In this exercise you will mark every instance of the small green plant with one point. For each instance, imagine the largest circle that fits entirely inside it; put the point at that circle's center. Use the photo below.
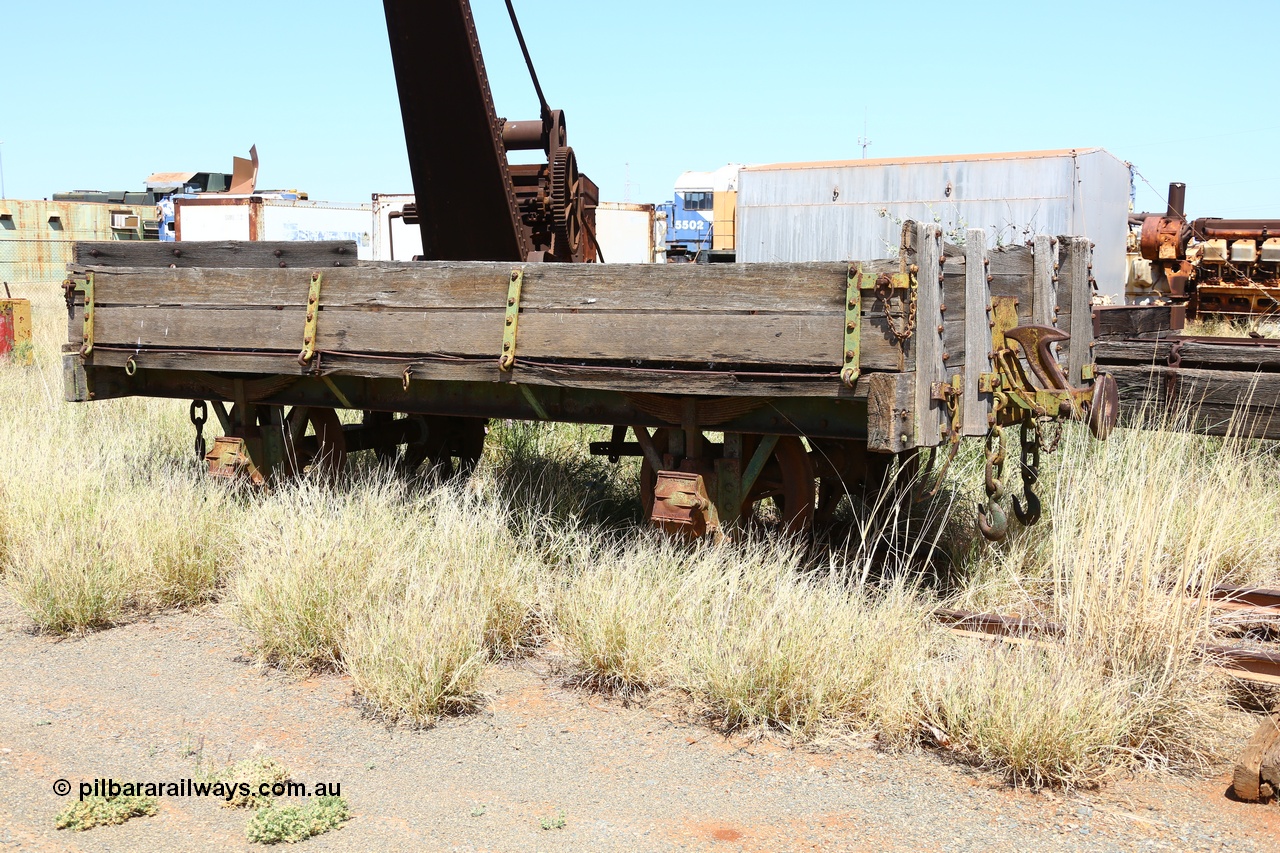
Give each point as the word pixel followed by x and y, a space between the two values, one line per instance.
pixel 191 746
pixel 477 811
pixel 556 822
pixel 251 773
pixel 103 811
pixel 291 824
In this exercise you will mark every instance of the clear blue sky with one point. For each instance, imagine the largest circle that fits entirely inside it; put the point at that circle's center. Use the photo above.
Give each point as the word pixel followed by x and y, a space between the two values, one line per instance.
pixel 98 95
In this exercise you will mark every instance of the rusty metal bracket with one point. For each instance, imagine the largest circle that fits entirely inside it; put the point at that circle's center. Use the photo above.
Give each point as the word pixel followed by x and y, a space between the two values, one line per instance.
pixel 313 311
pixel 229 460
pixel 949 394
pixel 856 282
pixel 681 504
pixel 508 358
pixel 86 287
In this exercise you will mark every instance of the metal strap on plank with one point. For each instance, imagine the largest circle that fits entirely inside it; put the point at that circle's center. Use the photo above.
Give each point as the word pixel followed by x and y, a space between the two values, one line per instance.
pixel 852 326
pixel 313 312
pixel 508 358
pixel 87 287
pixel 855 283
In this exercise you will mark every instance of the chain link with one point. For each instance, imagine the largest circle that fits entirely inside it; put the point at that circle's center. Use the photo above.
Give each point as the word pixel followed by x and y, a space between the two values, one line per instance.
pixel 1031 442
pixel 909 321
pixel 992 522
pixel 1029 465
pixel 199 414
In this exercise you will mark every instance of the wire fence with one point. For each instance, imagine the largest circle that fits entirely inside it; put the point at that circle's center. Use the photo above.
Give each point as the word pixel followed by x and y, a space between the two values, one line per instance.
pixel 35 269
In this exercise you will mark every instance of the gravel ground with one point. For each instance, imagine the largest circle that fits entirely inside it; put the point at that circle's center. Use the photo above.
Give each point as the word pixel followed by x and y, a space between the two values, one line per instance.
pixel 154 700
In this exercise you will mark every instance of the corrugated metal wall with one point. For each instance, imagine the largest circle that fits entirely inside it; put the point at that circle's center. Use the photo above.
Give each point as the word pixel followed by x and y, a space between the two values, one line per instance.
pixel 36 239
pixel 853 210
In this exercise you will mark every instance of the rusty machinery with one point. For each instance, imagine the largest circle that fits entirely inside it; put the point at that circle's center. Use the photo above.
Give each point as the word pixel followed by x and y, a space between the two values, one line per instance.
pixel 1227 267
pixel 471 203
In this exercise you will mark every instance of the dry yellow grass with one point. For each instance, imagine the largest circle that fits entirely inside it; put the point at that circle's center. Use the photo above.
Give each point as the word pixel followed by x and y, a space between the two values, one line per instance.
pixel 416 591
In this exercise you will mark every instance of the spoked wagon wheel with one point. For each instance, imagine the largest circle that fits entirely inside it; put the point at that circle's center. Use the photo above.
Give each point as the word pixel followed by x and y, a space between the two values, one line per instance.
pixel 788 479
pixel 846 467
pixel 449 446
pixel 323 452
pixel 451 449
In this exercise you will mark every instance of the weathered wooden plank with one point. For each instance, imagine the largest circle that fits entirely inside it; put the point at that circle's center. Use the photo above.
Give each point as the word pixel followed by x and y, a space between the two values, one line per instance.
pixel 930 346
pixel 658 288
pixel 1014 287
pixel 1074 285
pixel 1194 354
pixel 718 383
pixel 975 405
pixel 891 411
pixel 800 340
pixel 151 253
pixel 1044 286
pixel 457 333
pixel 1137 321
pixel 1212 402
pixel 1014 261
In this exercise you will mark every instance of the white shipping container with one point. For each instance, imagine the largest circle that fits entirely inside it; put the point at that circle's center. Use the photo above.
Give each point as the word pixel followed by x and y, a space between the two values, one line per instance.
pixel 627 233
pixel 851 210
pixel 223 217
pixel 199 219
pixel 393 240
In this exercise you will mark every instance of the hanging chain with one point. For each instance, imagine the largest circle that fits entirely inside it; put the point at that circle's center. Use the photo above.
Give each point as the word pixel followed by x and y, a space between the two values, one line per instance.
pixel 199 417
pixel 1029 465
pixel 909 319
pixel 951 399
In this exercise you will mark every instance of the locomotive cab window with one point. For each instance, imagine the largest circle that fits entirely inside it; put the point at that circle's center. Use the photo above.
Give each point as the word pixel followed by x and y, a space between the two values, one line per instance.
pixel 697 201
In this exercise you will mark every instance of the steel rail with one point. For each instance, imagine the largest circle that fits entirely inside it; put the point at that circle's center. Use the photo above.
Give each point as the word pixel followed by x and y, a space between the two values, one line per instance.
pixel 1248 663
pixel 1254 600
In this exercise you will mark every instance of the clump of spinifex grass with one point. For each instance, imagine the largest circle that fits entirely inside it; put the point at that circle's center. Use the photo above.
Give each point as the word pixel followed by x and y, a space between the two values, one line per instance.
pixel 105 515
pixel 753 638
pixel 90 555
pixel 1222 327
pixel 1134 528
pixel 619 613
pixel 411 593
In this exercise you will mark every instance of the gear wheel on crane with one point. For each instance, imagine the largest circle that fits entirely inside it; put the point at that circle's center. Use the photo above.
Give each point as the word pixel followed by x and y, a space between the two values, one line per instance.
pixel 564 199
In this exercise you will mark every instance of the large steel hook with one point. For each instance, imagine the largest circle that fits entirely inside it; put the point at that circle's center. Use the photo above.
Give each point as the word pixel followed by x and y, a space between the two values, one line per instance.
pixel 1032 513
pixel 993 524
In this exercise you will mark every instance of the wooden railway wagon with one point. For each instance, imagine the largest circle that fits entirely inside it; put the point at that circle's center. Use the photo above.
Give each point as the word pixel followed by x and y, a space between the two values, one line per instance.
pixel 1210 385
pixel 812 373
